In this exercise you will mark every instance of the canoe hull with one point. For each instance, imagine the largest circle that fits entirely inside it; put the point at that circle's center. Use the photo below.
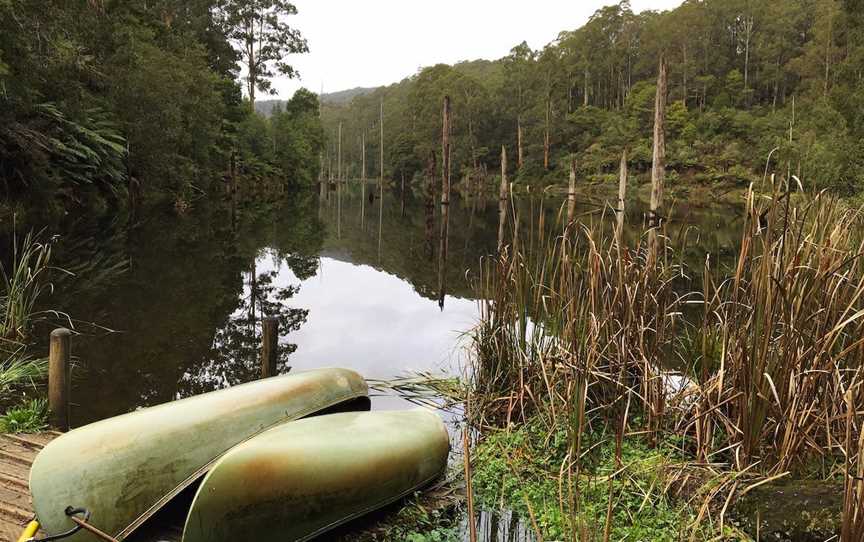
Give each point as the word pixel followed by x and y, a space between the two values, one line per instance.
pixel 124 469
pixel 304 478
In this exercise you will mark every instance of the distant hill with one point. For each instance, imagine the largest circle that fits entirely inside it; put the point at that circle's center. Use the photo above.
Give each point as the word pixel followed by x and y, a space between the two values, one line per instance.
pixel 265 107
pixel 345 96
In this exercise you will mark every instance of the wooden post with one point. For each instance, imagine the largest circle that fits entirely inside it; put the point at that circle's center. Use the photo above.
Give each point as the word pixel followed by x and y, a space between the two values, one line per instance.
pixel 571 193
pixel 269 346
pixel 622 193
pixel 59 356
pixel 658 165
pixel 445 157
pixel 502 199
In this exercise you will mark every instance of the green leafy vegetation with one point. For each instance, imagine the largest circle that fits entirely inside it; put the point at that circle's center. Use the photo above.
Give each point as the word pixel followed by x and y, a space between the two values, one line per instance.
pixel 520 468
pixel 30 417
pixel 746 80
pixel 581 340
pixel 143 98
pixel 23 283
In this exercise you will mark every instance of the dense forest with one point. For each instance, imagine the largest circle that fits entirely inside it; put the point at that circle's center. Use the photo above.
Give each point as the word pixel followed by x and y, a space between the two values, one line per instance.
pixel 106 99
pixel 745 77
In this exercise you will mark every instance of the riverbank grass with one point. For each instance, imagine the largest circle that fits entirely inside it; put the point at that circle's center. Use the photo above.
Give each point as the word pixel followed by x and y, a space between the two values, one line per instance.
pixel 701 383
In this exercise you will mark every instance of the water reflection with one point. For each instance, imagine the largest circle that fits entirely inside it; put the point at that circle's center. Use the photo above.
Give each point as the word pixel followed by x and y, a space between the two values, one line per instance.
pixel 186 293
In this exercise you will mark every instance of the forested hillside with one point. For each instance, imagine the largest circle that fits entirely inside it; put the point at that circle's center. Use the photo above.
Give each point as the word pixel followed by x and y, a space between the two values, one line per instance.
pixel 745 77
pixel 105 97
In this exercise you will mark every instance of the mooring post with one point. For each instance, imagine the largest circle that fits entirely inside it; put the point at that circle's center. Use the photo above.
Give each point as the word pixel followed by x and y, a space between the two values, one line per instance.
pixel 59 354
pixel 269 346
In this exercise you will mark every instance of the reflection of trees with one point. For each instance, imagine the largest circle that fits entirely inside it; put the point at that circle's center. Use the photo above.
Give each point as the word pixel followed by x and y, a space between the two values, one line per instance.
pixel 410 237
pixel 235 349
pixel 178 291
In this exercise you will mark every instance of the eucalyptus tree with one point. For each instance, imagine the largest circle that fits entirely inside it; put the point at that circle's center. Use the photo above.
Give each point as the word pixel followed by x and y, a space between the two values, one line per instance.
pixel 264 40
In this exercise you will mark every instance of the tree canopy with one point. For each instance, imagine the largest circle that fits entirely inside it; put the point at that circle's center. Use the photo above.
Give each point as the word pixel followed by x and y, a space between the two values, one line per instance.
pixel 745 77
pixel 99 96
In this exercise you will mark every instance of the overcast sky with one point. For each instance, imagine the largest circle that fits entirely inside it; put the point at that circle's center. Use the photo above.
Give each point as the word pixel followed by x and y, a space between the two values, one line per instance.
pixel 378 42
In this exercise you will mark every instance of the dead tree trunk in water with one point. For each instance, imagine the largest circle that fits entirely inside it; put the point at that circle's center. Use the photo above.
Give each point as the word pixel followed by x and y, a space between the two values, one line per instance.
pixel 429 204
pixel 339 156
pixel 381 182
pixel 571 194
pixel 519 156
pixel 546 138
pixel 445 154
pixel 653 386
pixel 363 181
pixel 622 193
pixel 658 165
pixel 442 254
pixel 381 167
pixel 443 238
pixel 502 199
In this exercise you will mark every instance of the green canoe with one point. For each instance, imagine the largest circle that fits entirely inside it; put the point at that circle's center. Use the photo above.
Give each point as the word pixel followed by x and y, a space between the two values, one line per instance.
pixel 125 469
pixel 303 478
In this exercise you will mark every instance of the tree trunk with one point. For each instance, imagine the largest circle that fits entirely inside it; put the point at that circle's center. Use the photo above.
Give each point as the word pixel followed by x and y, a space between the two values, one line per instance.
pixel 684 54
pixel 502 199
pixel 828 51
pixel 658 166
pixel 381 168
pixel 585 94
pixel 363 181
pixel 748 30
pixel 519 161
pixel 546 142
pixel 445 153
pixel 622 194
pixel 571 193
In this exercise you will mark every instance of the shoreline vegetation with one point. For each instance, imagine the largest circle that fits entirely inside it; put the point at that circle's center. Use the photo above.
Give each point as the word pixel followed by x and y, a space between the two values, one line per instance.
pixel 746 80
pixel 113 103
pixel 588 432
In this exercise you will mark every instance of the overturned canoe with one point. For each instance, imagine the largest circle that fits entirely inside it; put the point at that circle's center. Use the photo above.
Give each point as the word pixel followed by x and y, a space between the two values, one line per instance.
pixel 124 469
pixel 304 478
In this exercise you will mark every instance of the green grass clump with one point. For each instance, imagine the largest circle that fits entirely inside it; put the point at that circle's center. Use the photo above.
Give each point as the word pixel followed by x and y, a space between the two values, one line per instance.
pixel 528 467
pixel 29 417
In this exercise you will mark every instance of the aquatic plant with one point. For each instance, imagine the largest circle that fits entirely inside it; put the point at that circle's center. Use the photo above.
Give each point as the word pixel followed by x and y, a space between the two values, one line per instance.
pixel 24 281
pixel 19 370
pixel 750 371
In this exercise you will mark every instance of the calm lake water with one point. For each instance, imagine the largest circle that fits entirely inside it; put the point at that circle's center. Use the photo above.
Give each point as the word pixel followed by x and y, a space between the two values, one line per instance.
pixel 168 305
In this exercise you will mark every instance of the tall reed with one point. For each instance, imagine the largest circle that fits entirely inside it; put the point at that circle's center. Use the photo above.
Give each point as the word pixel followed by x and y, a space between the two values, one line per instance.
pixel 24 281
pixel 790 329
pixel 750 368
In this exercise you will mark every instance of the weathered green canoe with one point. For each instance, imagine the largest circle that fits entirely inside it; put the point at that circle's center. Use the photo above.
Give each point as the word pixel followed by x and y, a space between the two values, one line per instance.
pixel 124 469
pixel 303 478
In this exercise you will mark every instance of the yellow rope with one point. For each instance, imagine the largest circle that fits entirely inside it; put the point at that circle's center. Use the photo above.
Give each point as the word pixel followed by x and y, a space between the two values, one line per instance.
pixel 29 532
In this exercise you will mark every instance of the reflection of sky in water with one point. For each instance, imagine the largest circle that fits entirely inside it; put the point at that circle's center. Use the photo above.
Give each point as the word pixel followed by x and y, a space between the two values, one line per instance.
pixel 373 322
